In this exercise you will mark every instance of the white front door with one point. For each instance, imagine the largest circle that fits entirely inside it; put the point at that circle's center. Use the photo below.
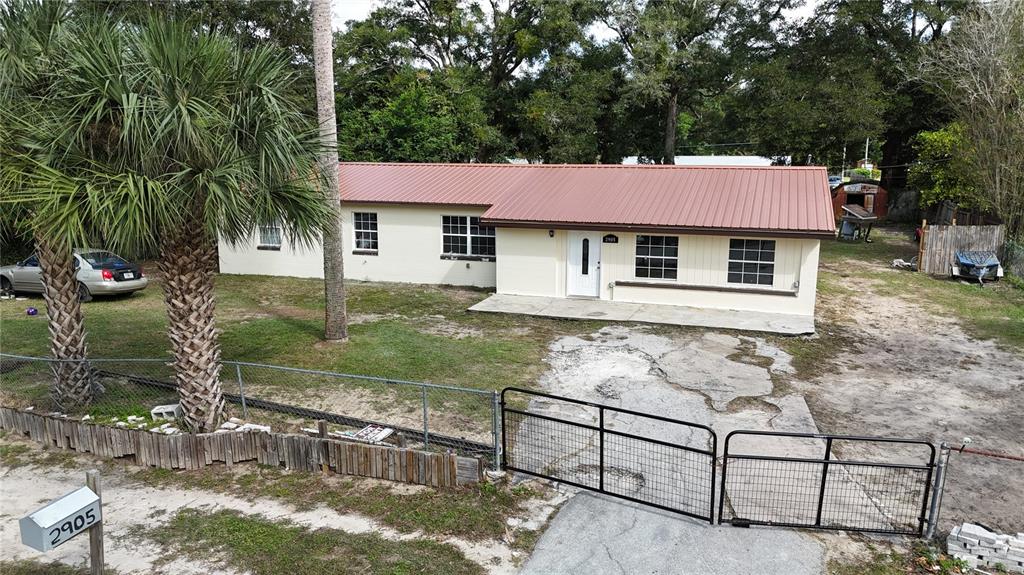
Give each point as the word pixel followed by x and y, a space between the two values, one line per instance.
pixel 584 269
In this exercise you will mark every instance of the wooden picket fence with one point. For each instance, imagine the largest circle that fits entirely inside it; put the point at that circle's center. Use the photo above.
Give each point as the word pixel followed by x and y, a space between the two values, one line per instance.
pixel 939 243
pixel 196 451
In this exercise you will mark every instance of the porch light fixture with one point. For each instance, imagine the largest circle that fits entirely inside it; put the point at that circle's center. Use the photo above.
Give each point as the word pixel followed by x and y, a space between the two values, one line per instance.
pixel 551 233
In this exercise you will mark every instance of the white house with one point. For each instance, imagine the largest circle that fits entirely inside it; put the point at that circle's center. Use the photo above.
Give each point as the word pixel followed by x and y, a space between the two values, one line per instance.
pixel 724 237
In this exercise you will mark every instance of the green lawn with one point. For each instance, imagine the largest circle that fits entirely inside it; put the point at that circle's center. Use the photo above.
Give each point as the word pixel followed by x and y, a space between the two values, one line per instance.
pixel 256 545
pixel 396 333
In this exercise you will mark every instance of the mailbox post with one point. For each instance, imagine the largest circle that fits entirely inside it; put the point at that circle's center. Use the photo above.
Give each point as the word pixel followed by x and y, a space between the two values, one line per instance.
pixel 61 520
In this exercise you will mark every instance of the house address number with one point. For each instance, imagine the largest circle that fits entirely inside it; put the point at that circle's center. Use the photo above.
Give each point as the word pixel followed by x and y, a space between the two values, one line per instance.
pixel 71 527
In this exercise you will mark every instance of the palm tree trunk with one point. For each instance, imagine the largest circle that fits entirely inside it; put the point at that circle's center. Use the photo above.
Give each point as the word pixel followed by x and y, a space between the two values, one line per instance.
pixel 671 125
pixel 187 262
pixel 335 322
pixel 72 379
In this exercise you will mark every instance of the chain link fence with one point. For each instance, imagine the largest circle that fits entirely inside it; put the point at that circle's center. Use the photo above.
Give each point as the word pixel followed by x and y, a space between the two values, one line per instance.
pixel 288 399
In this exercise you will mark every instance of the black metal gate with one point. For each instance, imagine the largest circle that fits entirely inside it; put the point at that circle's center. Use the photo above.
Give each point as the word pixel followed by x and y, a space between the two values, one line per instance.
pixel 649 459
pixel 882 487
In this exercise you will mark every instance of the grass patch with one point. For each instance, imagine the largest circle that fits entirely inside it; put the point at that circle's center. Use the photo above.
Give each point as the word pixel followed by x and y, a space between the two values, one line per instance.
pixel 14 454
pixel 17 453
pixel 473 512
pixel 30 567
pixel 920 560
pixel 256 545
pixel 814 356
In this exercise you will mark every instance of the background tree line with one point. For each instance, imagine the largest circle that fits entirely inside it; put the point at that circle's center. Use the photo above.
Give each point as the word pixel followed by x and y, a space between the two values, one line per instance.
pixel 594 81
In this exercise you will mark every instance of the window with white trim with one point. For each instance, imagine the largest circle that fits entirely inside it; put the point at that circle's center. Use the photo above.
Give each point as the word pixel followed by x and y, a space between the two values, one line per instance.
pixel 364 225
pixel 270 236
pixel 751 262
pixel 464 236
pixel 657 257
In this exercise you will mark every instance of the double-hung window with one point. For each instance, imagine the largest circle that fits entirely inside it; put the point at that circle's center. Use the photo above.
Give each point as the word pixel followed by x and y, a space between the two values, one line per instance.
pixel 464 236
pixel 364 225
pixel 657 257
pixel 270 237
pixel 751 262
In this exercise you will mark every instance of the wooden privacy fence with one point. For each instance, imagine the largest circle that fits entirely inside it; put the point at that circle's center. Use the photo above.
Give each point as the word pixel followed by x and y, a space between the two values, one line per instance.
pixel 939 243
pixel 195 451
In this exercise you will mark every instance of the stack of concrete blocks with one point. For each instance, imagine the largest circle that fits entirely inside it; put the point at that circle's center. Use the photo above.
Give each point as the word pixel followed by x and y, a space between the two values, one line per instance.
pixel 981 548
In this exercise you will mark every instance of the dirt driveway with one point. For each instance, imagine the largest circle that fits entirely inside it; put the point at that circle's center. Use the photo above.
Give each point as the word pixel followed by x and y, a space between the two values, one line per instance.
pixel 913 373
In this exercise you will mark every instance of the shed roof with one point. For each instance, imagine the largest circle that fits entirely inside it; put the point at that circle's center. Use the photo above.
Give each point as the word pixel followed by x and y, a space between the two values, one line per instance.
pixel 768 199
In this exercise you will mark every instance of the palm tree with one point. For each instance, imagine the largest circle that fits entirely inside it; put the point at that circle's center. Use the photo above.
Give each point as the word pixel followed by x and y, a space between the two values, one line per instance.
pixel 30 33
pixel 335 322
pixel 182 136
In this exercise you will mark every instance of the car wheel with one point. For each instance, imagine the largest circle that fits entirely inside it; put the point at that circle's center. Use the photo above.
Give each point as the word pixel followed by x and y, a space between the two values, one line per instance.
pixel 6 289
pixel 84 294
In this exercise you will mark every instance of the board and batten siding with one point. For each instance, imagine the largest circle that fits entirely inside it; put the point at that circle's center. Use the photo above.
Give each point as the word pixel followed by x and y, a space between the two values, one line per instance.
pixel 530 262
pixel 409 251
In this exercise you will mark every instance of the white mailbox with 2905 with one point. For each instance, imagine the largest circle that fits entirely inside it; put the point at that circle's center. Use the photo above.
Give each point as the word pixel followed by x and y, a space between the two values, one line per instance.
pixel 61 520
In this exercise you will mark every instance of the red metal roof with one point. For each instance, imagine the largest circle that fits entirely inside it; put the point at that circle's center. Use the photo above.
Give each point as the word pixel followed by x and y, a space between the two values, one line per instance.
pixel 754 198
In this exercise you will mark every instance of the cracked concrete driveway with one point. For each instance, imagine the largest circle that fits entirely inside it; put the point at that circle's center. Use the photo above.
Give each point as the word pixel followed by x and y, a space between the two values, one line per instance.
pixel 596 534
pixel 721 381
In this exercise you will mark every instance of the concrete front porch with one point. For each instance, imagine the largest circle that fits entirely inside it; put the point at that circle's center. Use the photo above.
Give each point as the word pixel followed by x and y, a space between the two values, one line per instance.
pixel 780 323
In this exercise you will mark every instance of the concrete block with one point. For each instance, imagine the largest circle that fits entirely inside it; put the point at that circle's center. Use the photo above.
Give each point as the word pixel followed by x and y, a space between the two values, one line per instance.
pixel 171 411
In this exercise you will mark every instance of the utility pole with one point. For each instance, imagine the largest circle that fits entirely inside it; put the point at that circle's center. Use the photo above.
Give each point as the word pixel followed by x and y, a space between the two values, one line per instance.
pixel 867 142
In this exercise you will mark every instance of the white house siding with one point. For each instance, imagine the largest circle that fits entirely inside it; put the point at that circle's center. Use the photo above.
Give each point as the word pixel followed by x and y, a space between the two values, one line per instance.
pixel 532 263
pixel 409 250
pixel 290 260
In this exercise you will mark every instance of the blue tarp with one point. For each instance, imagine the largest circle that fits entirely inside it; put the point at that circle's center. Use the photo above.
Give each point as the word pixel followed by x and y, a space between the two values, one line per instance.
pixel 977 259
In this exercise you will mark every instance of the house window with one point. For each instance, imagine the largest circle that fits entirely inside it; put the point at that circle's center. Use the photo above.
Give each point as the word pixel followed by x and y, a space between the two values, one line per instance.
pixel 270 236
pixel 464 236
pixel 365 226
pixel 657 257
pixel 752 262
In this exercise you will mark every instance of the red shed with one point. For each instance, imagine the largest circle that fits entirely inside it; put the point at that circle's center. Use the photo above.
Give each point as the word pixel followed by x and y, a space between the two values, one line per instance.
pixel 868 194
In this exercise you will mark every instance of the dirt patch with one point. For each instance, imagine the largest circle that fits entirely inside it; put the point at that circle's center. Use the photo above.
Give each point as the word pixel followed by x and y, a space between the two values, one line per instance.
pixel 468 417
pixel 128 504
pixel 360 318
pixel 441 326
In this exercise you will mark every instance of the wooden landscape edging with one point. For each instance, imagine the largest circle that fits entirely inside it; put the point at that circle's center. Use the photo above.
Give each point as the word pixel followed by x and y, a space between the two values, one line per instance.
pixel 195 451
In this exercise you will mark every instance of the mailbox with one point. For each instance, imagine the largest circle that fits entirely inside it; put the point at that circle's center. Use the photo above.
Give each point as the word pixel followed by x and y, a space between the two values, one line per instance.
pixel 59 521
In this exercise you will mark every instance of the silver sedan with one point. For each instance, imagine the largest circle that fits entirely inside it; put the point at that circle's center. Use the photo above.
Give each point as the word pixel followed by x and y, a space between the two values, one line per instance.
pixel 99 273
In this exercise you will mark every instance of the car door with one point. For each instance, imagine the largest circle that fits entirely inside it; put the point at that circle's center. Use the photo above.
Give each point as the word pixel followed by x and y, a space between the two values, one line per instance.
pixel 28 277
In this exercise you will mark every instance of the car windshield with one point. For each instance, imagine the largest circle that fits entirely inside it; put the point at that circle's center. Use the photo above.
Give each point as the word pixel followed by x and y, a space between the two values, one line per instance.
pixel 100 259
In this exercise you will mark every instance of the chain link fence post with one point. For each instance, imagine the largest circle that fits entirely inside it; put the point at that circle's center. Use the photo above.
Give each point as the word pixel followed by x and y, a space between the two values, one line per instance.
pixel 426 418
pixel 241 390
pixel 496 428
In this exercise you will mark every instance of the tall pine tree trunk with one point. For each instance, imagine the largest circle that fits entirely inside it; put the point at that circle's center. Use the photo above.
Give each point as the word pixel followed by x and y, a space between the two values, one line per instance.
pixel 335 322
pixel 671 125
pixel 187 262
pixel 72 378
